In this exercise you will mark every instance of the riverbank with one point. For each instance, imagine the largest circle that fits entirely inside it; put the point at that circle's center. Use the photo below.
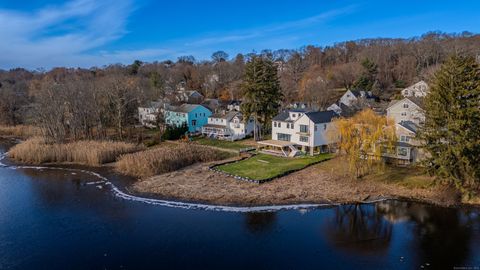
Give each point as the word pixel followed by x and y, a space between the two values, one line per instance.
pixel 321 183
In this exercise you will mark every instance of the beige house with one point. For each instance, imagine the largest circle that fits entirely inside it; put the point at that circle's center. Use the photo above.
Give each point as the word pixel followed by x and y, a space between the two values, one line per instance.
pixel 407 109
pixel 409 116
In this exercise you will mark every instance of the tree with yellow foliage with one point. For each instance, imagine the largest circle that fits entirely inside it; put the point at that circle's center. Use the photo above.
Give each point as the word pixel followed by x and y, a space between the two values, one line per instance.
pixel 364 138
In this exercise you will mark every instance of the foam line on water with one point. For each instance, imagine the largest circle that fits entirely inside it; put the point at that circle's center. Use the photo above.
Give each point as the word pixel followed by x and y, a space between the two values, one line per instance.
pixel 176 204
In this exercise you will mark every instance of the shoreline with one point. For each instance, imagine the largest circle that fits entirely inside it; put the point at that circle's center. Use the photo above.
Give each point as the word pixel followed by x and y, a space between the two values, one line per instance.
pixel 196 184
pixel 309 186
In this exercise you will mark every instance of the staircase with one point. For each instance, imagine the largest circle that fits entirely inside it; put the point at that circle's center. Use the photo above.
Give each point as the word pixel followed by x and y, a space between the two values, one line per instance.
pixel 293 150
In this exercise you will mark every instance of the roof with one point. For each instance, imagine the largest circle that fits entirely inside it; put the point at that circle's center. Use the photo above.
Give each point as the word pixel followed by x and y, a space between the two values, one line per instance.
pixel 235 102
pixel 409 125
pixel 362 93
pixel 184 108
pixel 322 116
pixel 228 116
pixel 283 116
pixel 416 100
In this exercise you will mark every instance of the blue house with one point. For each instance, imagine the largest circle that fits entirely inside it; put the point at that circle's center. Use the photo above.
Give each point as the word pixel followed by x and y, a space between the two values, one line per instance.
pixel 194 115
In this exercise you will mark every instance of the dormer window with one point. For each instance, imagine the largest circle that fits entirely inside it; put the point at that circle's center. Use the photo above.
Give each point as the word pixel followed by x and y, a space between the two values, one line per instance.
pixel 294 115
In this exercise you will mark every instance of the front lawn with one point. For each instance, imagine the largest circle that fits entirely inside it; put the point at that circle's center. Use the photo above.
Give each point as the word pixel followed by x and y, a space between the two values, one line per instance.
pixel 264 166
pixel 235 145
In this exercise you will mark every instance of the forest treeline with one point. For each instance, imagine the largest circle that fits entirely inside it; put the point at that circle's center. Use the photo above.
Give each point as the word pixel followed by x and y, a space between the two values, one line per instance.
pixel 85 103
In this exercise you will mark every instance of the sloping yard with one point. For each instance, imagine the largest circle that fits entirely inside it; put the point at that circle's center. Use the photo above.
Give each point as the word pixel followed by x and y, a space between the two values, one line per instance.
pixel 261 166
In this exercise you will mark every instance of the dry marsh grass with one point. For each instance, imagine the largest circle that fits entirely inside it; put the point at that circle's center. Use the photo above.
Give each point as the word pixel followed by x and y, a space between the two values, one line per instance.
pixel 167 158
pixel 94 153
pixel 19 131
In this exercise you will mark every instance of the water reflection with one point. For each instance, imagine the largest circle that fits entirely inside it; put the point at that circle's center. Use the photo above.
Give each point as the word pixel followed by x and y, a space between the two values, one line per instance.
pixel 359 228
pixel 260 222
pixel 441 237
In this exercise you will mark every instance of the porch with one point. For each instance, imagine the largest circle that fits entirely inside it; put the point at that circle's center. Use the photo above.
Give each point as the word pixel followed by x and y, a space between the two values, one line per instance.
pixel 278 148
pixel 217 132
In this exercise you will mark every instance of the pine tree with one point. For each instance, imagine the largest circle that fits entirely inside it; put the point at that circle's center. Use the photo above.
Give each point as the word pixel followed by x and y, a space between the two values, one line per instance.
pixel 261 91
pixel 369 76
pixel 452 129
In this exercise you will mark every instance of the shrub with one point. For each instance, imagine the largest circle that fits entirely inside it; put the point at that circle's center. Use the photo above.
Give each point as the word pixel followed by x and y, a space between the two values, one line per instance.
pixel 174 132
pixel 94 153
pixel 166 158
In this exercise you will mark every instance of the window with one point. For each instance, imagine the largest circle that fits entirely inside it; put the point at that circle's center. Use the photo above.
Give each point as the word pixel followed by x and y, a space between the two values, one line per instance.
pixel 404 114
pixel 194 122
pixel 274 124
pixel 196 115
pixel 288 125
pixel 304 128
pixel 304 139
pixel 294 115
pixel 324 126
pixel 315 127
pixel 283 137
pixel 404 138
pixel 405 105
pixel 402 151
pixel 279 124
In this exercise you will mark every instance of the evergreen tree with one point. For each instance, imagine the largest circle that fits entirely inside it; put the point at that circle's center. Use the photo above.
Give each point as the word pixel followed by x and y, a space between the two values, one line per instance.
pixel 261 91
pixel 452 129
pixel 369 76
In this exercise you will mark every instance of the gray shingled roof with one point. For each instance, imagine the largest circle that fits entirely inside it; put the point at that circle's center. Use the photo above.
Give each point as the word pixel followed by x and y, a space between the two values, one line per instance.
pixel 321 117
pixel 228 116
pixel 184 108
pixel 417 100
pixel 283 116
pixel 409 125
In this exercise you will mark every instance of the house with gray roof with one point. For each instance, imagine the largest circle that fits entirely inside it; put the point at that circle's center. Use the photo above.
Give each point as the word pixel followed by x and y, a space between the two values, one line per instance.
pixel 147 115
pixel 408 115
pixel 193 115
pixel 228 126
pixel 296 131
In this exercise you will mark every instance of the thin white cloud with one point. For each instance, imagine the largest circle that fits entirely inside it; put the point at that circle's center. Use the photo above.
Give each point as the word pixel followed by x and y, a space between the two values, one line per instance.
pixel 76 33
pixel 63 35
pixel 265 31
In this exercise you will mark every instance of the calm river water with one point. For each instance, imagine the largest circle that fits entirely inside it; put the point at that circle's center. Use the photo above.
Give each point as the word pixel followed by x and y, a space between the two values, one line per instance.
pixel 67 219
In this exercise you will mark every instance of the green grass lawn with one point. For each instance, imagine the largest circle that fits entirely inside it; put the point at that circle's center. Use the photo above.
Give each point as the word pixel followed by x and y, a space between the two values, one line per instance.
pixel 264 166
pixel 236 145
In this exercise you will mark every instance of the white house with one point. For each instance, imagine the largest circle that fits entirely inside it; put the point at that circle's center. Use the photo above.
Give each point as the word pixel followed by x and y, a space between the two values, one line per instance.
pixel 407 109
pixel 420 89
pixel 228 126
pixel 147 116
pixel 298 130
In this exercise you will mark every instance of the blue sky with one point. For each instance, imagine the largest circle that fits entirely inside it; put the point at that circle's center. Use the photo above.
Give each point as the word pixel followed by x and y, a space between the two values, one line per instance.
pixel 84 33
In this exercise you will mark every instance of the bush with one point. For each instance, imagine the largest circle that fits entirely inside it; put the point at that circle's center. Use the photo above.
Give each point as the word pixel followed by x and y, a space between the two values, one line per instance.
pixel 166 158
pixel 94 153
pixel 174 132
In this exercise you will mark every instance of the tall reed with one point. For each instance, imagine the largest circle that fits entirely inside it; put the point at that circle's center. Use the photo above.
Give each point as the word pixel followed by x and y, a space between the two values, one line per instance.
pixel 94 153
pixel 166 158
pixel 19 131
